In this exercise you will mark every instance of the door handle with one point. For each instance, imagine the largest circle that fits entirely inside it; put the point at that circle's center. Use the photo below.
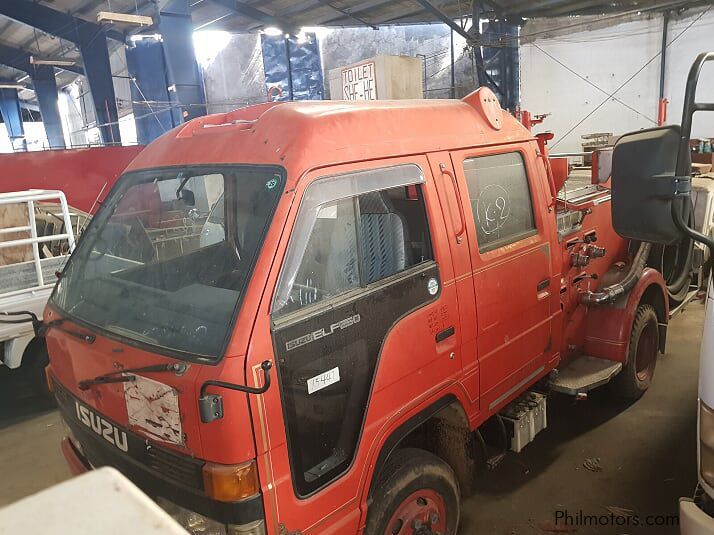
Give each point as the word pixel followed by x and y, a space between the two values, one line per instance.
pixel 446 333
pixel 542 292
pixel 457 193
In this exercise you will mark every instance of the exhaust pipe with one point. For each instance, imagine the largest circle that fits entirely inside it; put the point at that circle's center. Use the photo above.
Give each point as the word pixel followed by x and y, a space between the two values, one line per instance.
pixel 612 292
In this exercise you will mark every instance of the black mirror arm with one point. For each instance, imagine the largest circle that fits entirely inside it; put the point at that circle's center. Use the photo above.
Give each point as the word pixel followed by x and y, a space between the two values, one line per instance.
pixel 695 235
pixel 266 365
pixel 690 107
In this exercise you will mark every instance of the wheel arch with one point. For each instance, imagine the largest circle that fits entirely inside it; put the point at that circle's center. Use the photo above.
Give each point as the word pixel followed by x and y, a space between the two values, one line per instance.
pixel 19 348
pixel 608 327
pixel 431 429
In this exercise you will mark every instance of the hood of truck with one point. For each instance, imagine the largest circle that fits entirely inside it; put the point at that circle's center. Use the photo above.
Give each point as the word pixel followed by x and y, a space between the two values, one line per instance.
pixel 159 407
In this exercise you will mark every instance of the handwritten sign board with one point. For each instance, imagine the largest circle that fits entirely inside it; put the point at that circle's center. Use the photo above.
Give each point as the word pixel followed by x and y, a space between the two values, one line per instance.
pixel 359 82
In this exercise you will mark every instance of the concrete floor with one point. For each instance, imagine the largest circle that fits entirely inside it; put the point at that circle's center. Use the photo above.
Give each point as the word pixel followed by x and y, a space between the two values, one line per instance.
pixel 646 451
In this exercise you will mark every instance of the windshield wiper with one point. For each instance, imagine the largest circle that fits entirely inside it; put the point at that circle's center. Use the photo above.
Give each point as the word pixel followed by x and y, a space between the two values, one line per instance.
pixel 41 328
pixel 178 368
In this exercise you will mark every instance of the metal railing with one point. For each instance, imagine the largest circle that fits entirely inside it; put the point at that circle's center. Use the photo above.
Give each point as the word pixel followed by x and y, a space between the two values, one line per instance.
pixel 29 198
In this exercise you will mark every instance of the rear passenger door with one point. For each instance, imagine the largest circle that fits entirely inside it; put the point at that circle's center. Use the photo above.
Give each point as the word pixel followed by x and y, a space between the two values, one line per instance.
pixel 516 287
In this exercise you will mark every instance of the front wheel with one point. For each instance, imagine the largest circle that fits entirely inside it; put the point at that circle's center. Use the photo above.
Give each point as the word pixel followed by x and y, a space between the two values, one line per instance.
pixel 415 494
pixel 636 377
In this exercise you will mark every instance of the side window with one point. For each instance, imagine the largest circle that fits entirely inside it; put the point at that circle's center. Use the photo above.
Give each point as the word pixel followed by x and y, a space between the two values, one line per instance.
pixel 394 231
pixel 330 265
pixel 500 199
pixel 353 242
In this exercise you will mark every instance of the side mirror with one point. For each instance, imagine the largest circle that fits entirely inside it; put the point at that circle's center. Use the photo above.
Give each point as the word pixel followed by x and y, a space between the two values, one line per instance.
pixel 645 185
pixel 188 197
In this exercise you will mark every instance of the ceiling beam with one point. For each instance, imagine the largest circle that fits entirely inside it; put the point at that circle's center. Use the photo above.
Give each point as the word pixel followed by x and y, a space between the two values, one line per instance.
pixel 349 14
pixel 354 10
pixel 54 22
pixel 20 60
pixel 256 14
pixel 443 17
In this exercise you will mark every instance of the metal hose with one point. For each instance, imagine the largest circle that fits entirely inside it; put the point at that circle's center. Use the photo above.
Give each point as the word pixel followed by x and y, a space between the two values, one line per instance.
pixel 612 292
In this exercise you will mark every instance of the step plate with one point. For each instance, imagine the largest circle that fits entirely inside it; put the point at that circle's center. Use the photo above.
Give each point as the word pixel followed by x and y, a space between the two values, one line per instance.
pixel 583 374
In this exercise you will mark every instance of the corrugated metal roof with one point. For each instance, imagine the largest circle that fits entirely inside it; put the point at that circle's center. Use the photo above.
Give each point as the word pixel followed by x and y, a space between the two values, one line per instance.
pixel 254 15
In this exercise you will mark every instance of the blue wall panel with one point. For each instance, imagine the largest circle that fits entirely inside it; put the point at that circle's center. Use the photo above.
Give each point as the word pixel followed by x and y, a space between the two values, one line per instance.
pixel 301 77
pixel 12 116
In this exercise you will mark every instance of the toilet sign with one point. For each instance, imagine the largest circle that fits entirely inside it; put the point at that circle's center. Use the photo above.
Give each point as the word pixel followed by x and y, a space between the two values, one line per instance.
pixel 358 83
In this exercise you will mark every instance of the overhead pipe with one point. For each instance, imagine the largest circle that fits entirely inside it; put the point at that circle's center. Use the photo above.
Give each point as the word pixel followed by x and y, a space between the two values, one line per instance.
pixel 609 293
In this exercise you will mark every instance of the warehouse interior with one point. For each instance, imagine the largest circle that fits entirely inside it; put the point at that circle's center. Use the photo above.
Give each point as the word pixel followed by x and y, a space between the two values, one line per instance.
pixel 356 266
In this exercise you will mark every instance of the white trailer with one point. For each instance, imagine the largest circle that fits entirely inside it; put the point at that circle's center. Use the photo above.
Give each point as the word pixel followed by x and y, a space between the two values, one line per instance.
pixel 37 234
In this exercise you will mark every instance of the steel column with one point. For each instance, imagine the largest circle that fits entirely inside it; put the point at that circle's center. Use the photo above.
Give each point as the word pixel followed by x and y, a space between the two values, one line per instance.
pixel 184 77
pixel 12 116
pixel 663 102
pixel 500 57
pixel 91 39
pixel 476 31
pixel 95 57
pixel 149 93
pixel 43 78
pixel 663 59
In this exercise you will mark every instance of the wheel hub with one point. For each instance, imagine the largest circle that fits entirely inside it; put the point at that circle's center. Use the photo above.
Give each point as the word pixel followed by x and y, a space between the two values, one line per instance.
pixel 646 351
pixel 421 513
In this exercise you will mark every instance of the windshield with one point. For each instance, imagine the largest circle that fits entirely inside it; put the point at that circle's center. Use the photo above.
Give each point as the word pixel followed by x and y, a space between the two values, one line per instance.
pixel 167 259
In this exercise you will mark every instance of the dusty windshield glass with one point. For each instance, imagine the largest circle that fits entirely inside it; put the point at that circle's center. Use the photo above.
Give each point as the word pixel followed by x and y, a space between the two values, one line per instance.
pixel 167 259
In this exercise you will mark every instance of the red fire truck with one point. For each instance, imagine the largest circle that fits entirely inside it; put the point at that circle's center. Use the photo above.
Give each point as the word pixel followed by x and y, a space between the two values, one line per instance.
pixel 311 317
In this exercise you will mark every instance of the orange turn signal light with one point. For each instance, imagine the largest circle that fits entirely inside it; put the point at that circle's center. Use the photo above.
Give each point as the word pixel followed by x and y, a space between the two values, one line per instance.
pixel 231 483
pixel 48 378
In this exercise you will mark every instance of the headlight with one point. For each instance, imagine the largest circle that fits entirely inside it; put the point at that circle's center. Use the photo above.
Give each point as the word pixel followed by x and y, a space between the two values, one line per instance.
pixel 706 443
pixel 197 524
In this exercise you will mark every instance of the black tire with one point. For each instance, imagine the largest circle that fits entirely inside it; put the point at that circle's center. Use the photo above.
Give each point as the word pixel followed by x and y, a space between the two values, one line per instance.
pixel 635 378
pixel 407 473
pixel 34 361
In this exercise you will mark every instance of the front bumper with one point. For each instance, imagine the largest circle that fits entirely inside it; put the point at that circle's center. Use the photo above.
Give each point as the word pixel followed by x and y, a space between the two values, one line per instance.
pixel 152 468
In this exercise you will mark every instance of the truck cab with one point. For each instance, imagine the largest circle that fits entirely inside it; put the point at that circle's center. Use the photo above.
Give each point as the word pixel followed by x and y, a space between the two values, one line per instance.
pixel 284 317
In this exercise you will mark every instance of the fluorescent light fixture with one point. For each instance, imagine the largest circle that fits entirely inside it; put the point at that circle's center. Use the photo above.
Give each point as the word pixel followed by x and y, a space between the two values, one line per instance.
pixel 142 36
pixel 11 86
pixel 124 18
pixel 57 62
pixel 272 30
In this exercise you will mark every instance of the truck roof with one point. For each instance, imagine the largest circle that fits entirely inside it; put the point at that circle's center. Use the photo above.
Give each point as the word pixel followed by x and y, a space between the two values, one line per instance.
pixel 310 134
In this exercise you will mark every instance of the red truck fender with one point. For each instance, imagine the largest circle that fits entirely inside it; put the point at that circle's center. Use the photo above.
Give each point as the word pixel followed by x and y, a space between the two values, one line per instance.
pixel 399 427
pixel 608 328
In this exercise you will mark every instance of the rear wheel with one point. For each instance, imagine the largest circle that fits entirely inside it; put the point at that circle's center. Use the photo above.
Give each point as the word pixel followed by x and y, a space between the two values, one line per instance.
pixel 636 377
pixel 416 494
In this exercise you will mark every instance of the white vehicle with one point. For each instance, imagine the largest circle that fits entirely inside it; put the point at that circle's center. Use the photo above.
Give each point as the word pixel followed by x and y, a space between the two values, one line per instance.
pixel 36 237
pixel 697 515
pixel 661 189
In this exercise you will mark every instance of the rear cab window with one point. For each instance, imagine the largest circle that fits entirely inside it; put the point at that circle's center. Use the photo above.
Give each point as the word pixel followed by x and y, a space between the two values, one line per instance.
pixel 500 198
